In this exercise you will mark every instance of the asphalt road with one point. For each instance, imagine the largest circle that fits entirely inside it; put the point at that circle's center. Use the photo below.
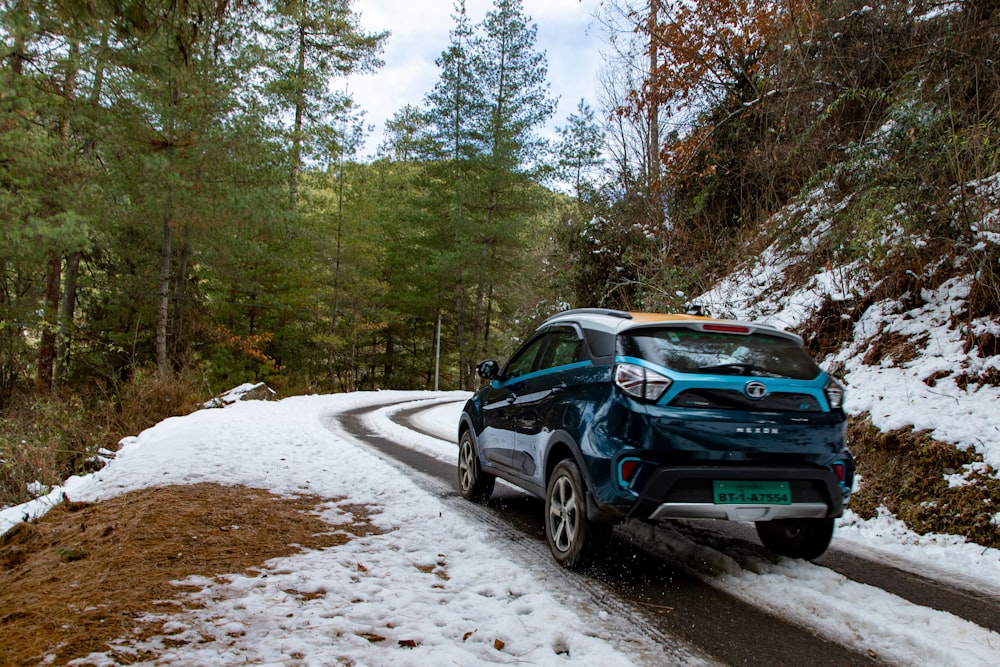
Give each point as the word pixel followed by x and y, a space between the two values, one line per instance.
pixel 671 602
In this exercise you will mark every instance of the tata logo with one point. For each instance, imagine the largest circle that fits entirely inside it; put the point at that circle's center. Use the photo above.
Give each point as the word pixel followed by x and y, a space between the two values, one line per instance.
pixel 755 390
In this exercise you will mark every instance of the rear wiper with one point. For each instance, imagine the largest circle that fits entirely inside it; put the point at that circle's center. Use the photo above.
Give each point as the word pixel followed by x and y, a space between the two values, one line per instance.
pixel 739 369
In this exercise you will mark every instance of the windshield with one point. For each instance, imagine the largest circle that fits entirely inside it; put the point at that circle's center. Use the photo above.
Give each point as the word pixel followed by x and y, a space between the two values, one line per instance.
pixel 691 351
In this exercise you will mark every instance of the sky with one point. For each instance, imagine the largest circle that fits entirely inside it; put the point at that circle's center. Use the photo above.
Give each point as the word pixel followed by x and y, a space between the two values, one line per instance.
pixel 567 34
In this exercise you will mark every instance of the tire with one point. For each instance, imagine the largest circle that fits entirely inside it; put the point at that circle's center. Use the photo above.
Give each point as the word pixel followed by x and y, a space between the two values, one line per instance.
pixel 796 538
pixel 473 483
pixel 573 539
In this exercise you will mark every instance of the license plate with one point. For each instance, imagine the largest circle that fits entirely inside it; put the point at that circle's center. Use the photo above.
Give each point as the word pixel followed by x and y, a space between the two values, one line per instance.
pixel 751 493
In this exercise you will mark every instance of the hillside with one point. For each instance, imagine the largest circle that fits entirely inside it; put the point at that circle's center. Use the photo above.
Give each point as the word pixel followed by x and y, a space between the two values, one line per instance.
pixel 920 360
pixel 842 181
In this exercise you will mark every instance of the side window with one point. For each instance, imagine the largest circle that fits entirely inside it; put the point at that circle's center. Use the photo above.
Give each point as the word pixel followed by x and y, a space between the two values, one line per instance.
pixel 523 361
pixel 601 344
pixel 564 348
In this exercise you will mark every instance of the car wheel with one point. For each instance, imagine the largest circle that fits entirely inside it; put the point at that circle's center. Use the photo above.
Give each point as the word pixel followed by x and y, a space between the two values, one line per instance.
pixel 473 483
pixel 573 538
pixel 796 538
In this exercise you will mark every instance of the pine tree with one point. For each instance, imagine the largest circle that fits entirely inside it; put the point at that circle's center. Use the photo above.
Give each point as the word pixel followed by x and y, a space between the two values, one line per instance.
pixel 452 105
pixel 511 76
pixel 307 43
pixel 581 142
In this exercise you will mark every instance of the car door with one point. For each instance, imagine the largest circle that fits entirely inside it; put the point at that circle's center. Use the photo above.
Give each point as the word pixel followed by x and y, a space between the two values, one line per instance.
pixel 536 407
pixel 499 434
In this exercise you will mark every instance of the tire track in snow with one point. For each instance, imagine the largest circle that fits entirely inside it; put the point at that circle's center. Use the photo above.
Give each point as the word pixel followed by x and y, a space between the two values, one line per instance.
pixel 936 621
pixel 649 595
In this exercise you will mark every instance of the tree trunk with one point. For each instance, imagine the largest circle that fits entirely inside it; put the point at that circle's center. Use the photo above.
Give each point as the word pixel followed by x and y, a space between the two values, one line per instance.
pixel 655 172
pixel 463 353
pixel 162 312
pixel 390 351
pixel 18 55
pixel 47 344
pixel 489 319
pixel 335 320
pixel 485 284
pixel 67 313
pixel 653 157
pixel 293 184
pixel 163 306
pixel 178 342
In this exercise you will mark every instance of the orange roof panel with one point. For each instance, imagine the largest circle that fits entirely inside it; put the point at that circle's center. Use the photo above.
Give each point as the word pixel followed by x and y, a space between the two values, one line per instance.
pixel 648 318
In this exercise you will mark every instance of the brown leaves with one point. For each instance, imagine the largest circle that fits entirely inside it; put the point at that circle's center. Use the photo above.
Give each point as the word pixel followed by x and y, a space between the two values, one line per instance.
pixel 711 49
pixel 498 644
pixel 81 576
pixel 252 346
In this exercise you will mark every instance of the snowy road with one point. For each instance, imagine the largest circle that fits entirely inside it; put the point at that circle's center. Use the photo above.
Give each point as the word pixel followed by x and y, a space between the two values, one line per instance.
pixel 711 586
pixel 444 581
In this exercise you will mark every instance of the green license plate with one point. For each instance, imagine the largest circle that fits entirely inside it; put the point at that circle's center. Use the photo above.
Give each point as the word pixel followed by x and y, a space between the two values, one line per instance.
pixel 751 493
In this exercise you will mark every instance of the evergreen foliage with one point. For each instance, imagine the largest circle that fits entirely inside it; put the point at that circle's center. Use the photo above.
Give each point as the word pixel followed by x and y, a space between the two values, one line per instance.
pixel 179 189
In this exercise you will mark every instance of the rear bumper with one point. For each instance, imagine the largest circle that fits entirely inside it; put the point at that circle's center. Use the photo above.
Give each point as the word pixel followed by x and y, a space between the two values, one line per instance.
pixel 739 512
pixel 686 493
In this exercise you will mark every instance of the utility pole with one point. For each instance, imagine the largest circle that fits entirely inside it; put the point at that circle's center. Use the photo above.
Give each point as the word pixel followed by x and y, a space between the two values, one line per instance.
pixel 437 354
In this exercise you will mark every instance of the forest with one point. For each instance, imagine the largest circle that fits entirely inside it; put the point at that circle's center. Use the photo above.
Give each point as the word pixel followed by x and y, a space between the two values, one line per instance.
pixel 183 209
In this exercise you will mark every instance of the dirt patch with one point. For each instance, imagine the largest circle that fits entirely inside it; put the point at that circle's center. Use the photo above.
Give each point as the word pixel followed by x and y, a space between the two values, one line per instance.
pixel 895 346
pixel 967 381
pixel 932 379
pixel 987 344
pixel 905 471
pixel 84 574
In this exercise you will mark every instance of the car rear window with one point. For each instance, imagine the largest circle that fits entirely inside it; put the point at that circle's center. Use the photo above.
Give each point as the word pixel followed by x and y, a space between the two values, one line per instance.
pixel 691 351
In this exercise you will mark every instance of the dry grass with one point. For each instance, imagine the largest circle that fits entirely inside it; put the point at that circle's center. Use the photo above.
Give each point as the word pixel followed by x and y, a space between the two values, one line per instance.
pixel 904 470
pixel 47 440
pixel 82 576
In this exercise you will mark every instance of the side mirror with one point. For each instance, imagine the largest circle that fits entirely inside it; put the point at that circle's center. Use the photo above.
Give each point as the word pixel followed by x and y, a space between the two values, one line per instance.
pixel 488 370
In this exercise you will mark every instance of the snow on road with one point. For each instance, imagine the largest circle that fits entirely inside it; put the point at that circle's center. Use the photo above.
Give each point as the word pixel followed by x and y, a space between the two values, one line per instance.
pixel 844 611
pixel 434 586
pixel 440 588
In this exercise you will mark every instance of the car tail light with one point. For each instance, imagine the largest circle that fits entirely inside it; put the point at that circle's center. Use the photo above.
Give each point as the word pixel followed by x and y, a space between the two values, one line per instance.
pixel 626 469
pixel 834 394
pixel 726 328
pixel 840 470
pixel 641 383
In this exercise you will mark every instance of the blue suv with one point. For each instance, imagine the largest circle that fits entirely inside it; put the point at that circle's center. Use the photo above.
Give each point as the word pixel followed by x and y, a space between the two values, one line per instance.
pixel 609 415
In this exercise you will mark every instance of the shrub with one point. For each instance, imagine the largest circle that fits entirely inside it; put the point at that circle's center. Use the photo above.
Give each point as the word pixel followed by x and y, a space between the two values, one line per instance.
pixel 46 441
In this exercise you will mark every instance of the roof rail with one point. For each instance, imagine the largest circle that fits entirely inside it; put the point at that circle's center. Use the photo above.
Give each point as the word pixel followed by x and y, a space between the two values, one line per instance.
pixel 610 312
